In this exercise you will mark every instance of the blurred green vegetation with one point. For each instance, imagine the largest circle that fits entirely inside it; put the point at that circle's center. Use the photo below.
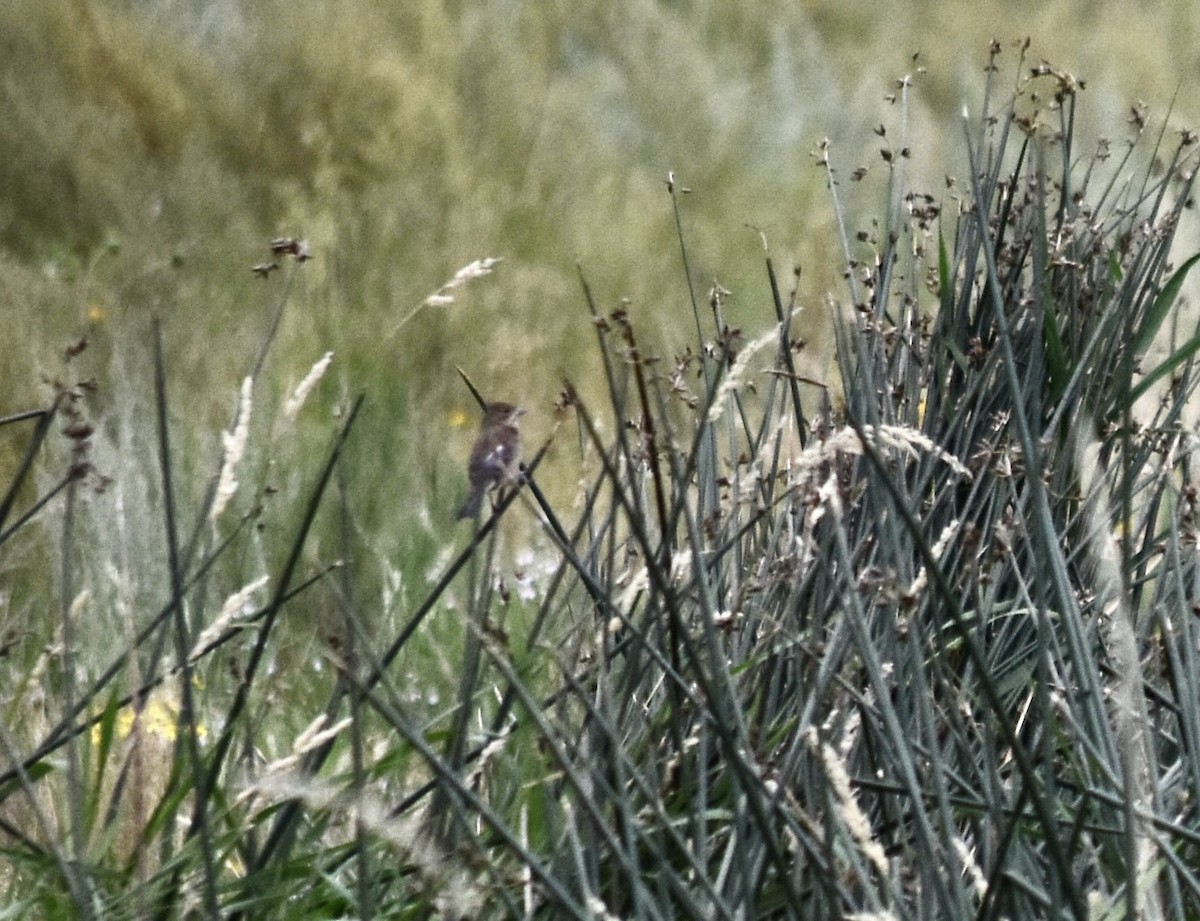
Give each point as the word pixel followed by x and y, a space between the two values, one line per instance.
pixel 150 149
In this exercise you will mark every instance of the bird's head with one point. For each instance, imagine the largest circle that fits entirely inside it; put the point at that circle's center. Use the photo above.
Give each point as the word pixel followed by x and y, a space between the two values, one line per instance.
pixel 502 414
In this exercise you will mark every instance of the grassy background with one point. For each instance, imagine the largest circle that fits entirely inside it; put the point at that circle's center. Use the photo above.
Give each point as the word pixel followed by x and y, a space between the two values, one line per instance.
pixel 150 149
pixel 150 152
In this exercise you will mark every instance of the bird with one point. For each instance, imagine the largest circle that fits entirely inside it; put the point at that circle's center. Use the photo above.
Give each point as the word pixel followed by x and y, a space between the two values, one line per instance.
pixel 495 455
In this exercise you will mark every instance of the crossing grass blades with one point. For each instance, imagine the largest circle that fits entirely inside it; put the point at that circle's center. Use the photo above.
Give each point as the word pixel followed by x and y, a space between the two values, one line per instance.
pixel 919 641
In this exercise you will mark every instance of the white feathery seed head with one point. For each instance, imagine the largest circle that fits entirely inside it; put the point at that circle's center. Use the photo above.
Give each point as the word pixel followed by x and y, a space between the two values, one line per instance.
pixel 305 387
pixel 234 443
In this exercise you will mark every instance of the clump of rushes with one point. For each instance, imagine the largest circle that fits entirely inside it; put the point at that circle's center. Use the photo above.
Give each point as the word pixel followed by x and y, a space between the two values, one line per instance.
pixel 916 642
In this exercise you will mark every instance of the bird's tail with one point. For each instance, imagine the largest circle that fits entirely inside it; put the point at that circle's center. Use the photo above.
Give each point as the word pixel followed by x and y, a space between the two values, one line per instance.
pixel 470 508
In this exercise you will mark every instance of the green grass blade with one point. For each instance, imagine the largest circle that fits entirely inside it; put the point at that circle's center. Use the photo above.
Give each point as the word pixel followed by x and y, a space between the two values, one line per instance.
pixel 1160 309
pixel 1179 357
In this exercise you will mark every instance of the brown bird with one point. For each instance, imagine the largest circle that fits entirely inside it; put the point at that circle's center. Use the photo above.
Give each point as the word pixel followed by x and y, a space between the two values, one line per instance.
pixel 495 455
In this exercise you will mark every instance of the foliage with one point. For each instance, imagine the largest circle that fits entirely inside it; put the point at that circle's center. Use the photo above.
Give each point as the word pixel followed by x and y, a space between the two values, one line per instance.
pixel 917 643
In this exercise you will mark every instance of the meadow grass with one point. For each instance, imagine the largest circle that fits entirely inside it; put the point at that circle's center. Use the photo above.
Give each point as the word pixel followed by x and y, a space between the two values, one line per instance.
pixel 917 641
